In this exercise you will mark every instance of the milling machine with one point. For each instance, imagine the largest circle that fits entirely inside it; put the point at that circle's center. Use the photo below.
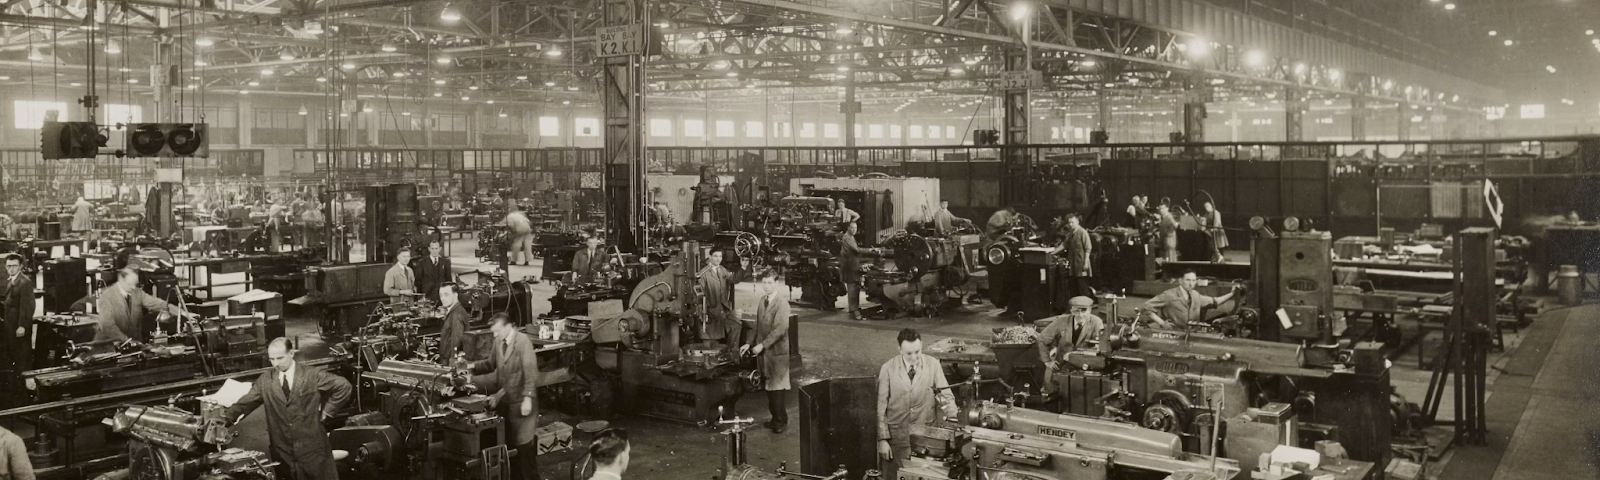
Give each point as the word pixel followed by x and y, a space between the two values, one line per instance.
pixel 663 373
pixel 169 443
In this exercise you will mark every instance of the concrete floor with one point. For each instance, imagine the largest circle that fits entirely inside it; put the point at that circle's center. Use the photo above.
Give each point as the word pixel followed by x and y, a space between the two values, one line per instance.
pixel 1533 404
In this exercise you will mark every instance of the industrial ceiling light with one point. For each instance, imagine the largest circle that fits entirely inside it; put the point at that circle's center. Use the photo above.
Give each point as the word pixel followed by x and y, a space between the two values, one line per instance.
pixel 388 47
pixel 1254 58
pixel 286 56
pixel 844 30
pixel 733 74
pixel 313 28
pixel 958 70
pixel 5 77
pixel 244 92
pixel 1388 84
pixel 204 42
pixel 76 84
pixel 502 114
pixel 133 80
pixel 1199 47
pixel 1493 33
pixel 439 81
pixel 553 52
pixel 112 47
pixel 1299 68
pixel 572 87
pixel 971 61
pixel 1455 98
pixel 522 77
pixel 35 55
pixel 473 87
pixel 437 94
pixel 1510 43
pixel 443 60
pixel 566 102
pixel 549 83
pixel 491 102
pixel 465 98
pixel 1550 68
pixel 844 68
pixel 303 111
pixel 1449 6
pixel 1020 11
pixel 322 79
pixel 266 72
pixel 399 74
pixel 193 86
pixel 405 114
pixel 1087 63
pixel 450 14
pixel 1334 74
pixel 366 109
pixel 719 64
pixel 254 83
pixel 348 66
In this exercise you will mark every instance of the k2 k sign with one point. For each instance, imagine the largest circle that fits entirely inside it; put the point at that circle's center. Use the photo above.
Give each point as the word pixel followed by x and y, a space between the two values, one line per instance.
pixel 619 41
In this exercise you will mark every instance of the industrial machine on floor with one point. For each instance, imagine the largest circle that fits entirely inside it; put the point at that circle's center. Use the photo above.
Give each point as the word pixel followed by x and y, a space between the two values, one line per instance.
pixel 992 439
pixel 168 443
pixel 736 465
pixel 410 405
pixel 919 273
pixel 663 373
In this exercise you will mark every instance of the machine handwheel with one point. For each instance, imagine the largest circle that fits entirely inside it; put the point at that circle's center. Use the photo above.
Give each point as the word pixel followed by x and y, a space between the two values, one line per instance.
pixel 149 462
pixel 1162 417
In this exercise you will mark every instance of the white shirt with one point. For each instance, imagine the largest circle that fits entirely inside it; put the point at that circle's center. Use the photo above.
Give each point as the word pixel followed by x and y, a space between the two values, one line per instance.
pixel 608 474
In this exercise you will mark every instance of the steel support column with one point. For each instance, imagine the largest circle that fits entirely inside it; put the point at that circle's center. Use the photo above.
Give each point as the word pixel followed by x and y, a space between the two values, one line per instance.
pixel 623 85
pixel 850 107
pixel 1195 96
pixel 1102 120
pixel 1358 117
pixel 1294 113
pixel 1402 117
pixel 1014 155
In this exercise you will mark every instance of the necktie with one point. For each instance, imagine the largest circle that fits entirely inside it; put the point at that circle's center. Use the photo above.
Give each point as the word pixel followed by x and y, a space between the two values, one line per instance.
pixel 912 375
pixel 284 382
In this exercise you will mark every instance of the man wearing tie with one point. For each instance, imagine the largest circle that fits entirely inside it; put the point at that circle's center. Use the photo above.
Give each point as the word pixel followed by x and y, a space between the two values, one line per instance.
pixel 515 391
pixel 1181 306
pixel 911 389
pixel 452 336
pixel 770 343
pixel 718 284
pixel 16 309
pixel 299 398
pixel 122 308
pixel 400 283
pixel 587 263
pixel 433 271
pixel 850 254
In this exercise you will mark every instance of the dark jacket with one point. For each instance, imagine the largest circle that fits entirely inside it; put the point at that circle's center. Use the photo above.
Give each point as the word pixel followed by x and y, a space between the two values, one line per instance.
pixel 430 275
pixel 454 333
pixel 1078 249
pixel 294 423
pixel 514 379
pixel 587 267
pixel 18 305
pixel 772 332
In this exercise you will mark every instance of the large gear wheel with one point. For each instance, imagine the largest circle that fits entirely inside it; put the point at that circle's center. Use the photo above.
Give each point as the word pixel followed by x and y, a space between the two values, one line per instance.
pixel 1164 416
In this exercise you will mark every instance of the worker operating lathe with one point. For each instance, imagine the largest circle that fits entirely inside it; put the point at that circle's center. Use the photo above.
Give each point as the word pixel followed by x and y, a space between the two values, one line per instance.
pixel 911 388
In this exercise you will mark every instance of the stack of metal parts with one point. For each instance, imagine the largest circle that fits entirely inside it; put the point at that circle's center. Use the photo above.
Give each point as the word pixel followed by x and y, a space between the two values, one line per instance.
pixel 997 439
pixel 168 440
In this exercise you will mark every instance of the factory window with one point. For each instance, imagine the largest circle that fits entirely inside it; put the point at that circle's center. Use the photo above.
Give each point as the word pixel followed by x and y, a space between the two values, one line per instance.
pixel 276 118
pixel 894 131
pixel 1533 111
pixel 724 128
pixel 950 132
pixel 830 130
pixel 933 132
pixel 1078 133
pixel 875 131
pixel 753 129
pixel 660 127
pixel 549 126
pixel 808 130
pixel 694 128
pixel 587 127
pixel 1055 133
pixel 916 131
pixel 122 114
pixel 30 115
pixel 1494 113
pixel 858 130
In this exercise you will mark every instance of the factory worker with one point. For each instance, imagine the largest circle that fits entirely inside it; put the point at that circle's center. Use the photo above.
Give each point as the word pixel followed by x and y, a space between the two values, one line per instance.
pixel 1001 221
pixel 911 389
pixel 14 461
pixel 299 399
pixel 589 263
pixel 520 251
pixel 1067 333
pixel 944 221
pixel 770 343
pixel 718 284
pixel 122 308
pixel 515 392
pixel 1183 305
pixel 452 336
pixel 82 215
pixel 610 451
pixel 400 282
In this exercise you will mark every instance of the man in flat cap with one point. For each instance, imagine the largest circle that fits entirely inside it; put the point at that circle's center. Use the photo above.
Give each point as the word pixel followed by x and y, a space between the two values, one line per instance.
pixel 1066 333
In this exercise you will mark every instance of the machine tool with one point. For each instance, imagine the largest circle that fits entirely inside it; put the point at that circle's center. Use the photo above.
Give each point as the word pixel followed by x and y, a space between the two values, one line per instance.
pixel 423 417
pixel 662 374
pixel 736 466
pixel 169 443
pixel 992 439
pixel 920 271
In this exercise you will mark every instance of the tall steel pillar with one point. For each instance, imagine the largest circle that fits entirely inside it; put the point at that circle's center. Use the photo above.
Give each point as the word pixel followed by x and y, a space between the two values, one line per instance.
pixel 1294 114
pixel 850 108
pixel 1358 117
pixel 1102 124
pixel 1195 96
pixel 1402 116
pixel 623 98
pixel 1013 153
